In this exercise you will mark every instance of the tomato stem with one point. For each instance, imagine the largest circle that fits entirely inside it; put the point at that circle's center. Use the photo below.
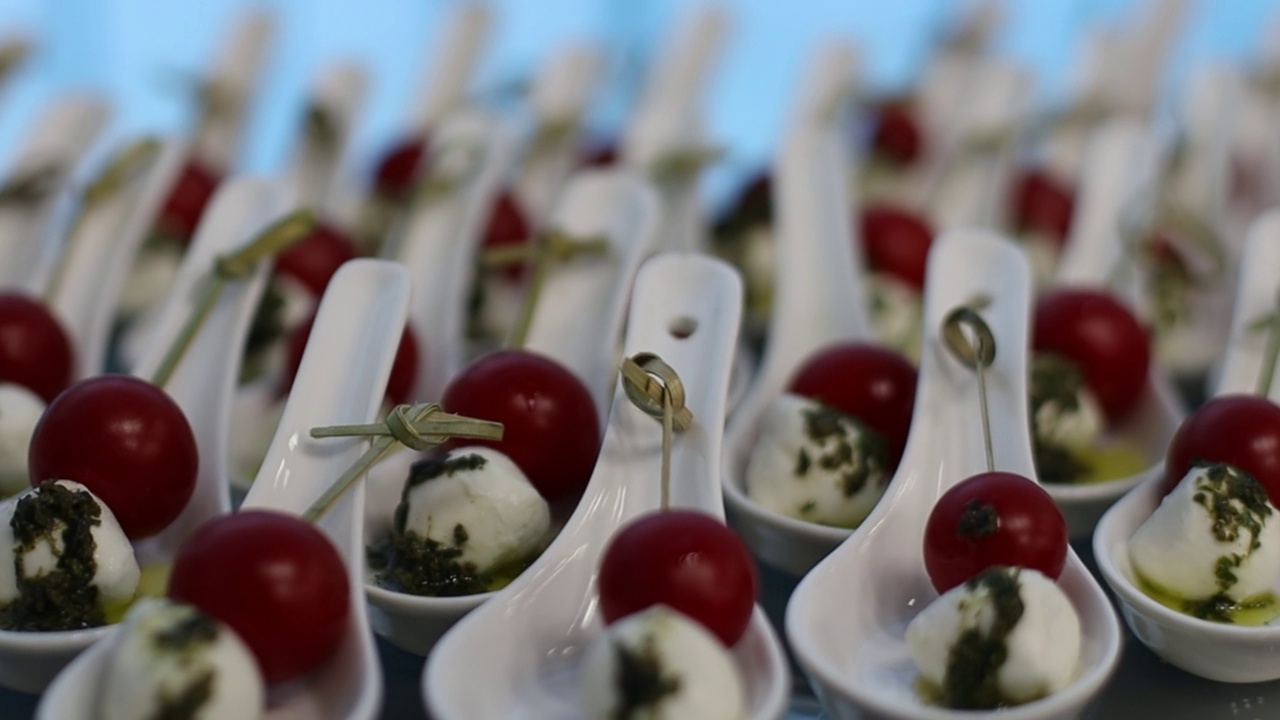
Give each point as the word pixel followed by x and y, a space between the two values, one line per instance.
pixel 656 389
pixel 419 427
pixel 1272 352
pixel 235 266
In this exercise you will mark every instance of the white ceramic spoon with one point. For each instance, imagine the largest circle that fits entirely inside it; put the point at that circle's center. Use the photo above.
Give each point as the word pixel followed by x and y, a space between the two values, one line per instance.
pixel 1097 88
pixel 560 95
pixel 1117 181
pixel 1209 110
pixel 58 142
pixel 819 300
pixel 669 120
pixel 339 94
pixel 847 620
pixel 619 206
pixel 520 655
pixel 85 289
pixel 340 381
pixel 1226 653
pixel 201 385
pixel 948 71
pixel 447 81
pixel 1152 37
pixel 237 72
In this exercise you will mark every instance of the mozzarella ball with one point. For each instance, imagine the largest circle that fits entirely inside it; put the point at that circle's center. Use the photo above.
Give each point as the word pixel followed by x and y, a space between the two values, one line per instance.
pixel 20 410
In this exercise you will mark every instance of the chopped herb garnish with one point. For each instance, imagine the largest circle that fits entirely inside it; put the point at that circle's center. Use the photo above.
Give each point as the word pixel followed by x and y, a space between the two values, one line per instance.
pixel 186 704
pixel 1056 381
pixel 641 682
pixel 974 661
pixel 858 453
pixel 412 564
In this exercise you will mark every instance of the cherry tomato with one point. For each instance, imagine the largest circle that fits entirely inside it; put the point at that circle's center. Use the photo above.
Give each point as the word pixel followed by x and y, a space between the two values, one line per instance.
pixel 399 168
pixel 1043 204
pixel 552 429
pixel 685 559
pixel 274 579
pixel 313 260
pixel 896 242
pixel 990 519
pixel 185 203
pixel 874 385
pixel 404 369
pixel 35 351
pixel 1167 256
pixel 508 226
pixel 1104 340
pixel 1240 430
pixel 125 440
pixel 896 136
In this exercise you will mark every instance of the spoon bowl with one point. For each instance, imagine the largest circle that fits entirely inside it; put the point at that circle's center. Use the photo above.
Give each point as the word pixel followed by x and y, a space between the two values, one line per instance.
pixel 847 620
pixel 201 386
pixel 1217 651
pixel 528 642
pixel 616 205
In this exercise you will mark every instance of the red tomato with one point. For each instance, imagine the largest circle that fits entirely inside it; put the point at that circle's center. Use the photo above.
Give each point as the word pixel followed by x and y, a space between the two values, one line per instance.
pixel 35 351
pixel 182 209
pixel 274 579
pixel 313 260
pixel 1043 204
pixel 399 168
pixel 551 427
pixel 686 560
pixel 1240 430
pixel 508 226
pixel 896 242
pixel 896 136
pixel 125 440
pixel 872 384
pixel 404 369
pixel 1104 340
pixel 991 519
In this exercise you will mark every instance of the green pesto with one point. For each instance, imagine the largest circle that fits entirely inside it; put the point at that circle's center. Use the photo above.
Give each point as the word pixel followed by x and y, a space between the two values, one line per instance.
pixel 65 599
pixel 186 704
pixel 641 681
pixel 803 462
pixel 857 452
pixel 974 661
pixel 409 563
pixel 1054 379
pixel 195 630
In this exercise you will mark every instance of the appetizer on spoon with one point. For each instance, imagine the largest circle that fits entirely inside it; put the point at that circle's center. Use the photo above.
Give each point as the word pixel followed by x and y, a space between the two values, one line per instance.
pixel 686 310
pixel 962 519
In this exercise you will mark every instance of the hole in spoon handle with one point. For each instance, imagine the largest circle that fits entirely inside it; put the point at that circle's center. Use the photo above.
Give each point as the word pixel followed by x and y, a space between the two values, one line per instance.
pixel 977 353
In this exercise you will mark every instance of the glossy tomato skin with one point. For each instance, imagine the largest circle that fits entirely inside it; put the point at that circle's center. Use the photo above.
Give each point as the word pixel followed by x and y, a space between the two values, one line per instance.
pixel 1103 339
pixel 127 441
pixel 404 369
pixel 35 351
pixel 896 242
pixel 183 207
pixel 551 427
pixel 1240 430
pixel 990 519
pixel 399 168
pixel 872 384
pixel 896 136
pixel 274 579
pixel 1043 204
pixel 687 560
pixel 508 226
pixel 313 260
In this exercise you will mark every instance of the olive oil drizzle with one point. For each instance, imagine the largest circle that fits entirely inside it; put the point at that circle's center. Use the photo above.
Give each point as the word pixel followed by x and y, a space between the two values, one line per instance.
pixel 66 598
pixel 971 681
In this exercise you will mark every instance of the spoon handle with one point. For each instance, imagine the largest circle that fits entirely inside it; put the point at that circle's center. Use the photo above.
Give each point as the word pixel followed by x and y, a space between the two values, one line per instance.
pixel 326 136
pixel 579 317
pixel 1256 299
pixel 237 73
pixel 63 133
pixel 446 84
pixel 204 381
pixel 440 242
pixel 99 253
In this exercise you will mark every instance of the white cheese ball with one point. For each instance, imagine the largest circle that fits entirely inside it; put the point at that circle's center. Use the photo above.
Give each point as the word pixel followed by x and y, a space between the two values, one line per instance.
pixel 166 651
pixel 1178 549
pixel 482 491
pixel 117 570
pixel 696 678
pixel 20 410
pixel 1043 646
pixel 803 474
pixel 896 313
pixel 1075 429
